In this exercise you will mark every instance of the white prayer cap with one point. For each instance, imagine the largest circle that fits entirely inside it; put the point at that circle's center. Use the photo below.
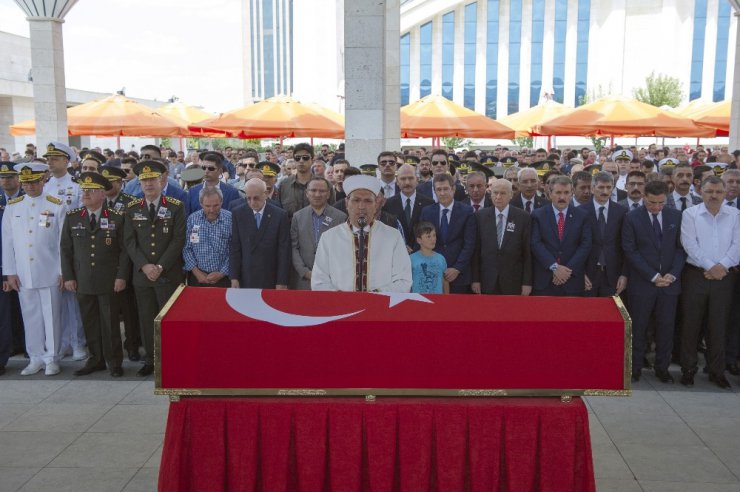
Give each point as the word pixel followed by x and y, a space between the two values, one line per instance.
pixel 361 182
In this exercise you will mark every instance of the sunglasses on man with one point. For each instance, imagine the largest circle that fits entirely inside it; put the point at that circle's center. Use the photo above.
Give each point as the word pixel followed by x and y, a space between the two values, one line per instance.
pixel 304 157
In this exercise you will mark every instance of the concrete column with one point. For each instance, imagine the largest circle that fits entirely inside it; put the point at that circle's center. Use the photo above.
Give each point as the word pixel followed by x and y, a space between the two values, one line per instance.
pixel 6 119
pixel 49 92
pixel 735 113
pixel 372 78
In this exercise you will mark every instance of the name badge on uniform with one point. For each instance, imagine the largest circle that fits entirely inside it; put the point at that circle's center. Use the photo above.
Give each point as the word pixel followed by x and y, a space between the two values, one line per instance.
pixel 44 218
pixel 118 206
pixel 138 216
pixel 162 212
pixel 103 223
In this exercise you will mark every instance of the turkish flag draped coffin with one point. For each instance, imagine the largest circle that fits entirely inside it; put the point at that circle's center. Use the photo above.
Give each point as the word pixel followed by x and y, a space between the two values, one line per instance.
pixel 219 340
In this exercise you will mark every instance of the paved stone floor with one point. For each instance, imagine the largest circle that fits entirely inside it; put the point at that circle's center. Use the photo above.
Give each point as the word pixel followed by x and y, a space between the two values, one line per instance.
pixel 98 434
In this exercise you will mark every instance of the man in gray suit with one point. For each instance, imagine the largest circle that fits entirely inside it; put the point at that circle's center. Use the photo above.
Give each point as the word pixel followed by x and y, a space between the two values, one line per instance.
pixel 306 228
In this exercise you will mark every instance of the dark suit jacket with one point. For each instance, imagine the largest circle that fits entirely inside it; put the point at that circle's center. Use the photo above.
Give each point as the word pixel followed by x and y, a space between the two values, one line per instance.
pixel 646 257
pixel 395 206
pixel 487 202
pixel 621 195
pixel 611 243
pixel 671 203
pixel 260 258
pixel 539 201
pixel 572 251
pixel 510 266
pixel 426 188
pixel 230 193
pixel 242 201
pixel 460 244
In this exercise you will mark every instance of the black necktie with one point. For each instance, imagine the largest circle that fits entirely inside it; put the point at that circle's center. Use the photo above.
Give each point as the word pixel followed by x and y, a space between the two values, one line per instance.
pixel 92 221
pixel 528 207
pixel 407 211
pixel 152 212
pixel 602 230
pixel 732 204
pixel 656 228
pixel 683 203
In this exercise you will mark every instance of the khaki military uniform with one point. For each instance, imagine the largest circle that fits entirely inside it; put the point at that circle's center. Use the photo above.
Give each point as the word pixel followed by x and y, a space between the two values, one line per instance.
pixel 158 241
pixel 95 258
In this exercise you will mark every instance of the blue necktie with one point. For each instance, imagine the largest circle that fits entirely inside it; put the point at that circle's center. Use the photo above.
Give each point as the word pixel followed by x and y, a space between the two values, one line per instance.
pixel 258 219
pixel 657 229
pixel 444 225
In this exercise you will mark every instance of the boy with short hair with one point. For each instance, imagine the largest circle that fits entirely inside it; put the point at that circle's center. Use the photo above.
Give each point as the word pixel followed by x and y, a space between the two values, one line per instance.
pixel 427 266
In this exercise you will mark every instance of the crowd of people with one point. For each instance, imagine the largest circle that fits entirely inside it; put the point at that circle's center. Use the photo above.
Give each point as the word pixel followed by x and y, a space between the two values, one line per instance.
pixel 96 237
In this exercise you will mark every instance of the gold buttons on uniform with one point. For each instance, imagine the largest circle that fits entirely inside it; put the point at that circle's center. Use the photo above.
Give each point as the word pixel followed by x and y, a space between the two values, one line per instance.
pixel 92 264
pixel 92 255
pixel 152 235
pixel 92 245
pixel 92 237
pixel 153 244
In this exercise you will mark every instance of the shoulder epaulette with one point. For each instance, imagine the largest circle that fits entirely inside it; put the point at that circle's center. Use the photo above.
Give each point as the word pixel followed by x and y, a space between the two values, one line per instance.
pixel 173 201
pixel 16 199
pixel 133 203
pixel 74 211
pixel 114 211
pixel 54 200
pixel 128 196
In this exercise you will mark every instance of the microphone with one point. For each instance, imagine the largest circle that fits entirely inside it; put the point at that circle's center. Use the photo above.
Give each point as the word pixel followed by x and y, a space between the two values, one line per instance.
pixel 362 222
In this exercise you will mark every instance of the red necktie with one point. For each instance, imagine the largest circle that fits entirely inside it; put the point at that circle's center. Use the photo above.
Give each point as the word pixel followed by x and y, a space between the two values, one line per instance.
pixel 476 207
pixel 561 225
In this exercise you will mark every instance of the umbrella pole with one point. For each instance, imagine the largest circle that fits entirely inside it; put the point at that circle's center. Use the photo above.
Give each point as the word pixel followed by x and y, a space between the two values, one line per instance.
pixel 118 141
pixel 549 143
pixel 612 141
pixel 697 141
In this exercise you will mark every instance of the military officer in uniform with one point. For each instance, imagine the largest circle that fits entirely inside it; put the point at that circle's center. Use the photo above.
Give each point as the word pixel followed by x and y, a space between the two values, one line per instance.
pixel 95 264
pixel 124 302
pixel 154 237
pixel 10 188
pixel 31 228
pixel 61 185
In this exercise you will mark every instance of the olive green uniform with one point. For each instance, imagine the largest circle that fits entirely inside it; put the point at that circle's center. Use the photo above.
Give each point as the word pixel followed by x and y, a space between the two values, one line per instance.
pixel 95 257
pixel 158 241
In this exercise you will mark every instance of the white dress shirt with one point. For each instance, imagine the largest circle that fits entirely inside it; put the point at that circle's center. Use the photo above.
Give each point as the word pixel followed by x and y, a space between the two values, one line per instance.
pixel 710 239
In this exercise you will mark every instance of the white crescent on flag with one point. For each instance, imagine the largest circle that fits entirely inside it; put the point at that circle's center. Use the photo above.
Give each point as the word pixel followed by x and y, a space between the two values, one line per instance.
pixel 250 303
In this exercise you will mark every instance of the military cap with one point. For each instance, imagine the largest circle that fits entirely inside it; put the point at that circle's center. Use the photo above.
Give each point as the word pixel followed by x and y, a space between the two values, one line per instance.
pixel 112 173
pixel 59 149
pixel 451 158
pixel 411 160
pixel 151 147
pixel 482 168
pixel 509 161
pixel 667 162
pixel 542 167
pixel 149 169
pixel 622 155
pixel 269 169
pixel 593 169
pixel 368 169
pixel 464 168
pixel 93 155
pixel 490 161
pixel 93 181
pixel 7 168
pixel 192 174
pixel 31 171
pixel 718 168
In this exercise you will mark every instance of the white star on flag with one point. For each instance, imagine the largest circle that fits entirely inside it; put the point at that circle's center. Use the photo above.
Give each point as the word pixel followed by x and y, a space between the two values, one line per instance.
pixel 395 298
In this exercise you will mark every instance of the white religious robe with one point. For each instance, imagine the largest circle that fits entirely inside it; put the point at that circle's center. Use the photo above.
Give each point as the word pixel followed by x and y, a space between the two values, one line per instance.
pixel 388 264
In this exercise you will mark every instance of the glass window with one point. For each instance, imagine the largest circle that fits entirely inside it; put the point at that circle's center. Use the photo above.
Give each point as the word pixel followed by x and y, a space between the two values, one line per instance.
pixel 254 36
pixel 268 69
pixel 697 51
pixel 720 62
pixel 584 18
pixel 515 49
pixel 425 59
pixel 492 58
pixel 471 19
pixel 538 34
pixel 558 69
pixel 405 64
pixel 448 53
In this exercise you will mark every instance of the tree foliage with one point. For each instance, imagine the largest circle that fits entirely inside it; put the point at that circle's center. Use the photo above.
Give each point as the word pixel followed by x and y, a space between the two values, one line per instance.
pixel 660 90
pixel 455 142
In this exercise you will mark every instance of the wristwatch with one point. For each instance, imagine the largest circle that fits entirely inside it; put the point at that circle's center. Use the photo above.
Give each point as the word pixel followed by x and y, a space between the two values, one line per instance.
pixel 553 267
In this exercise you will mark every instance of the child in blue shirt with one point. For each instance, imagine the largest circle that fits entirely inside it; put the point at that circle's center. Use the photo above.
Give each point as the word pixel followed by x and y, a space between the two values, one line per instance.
pixel 428 267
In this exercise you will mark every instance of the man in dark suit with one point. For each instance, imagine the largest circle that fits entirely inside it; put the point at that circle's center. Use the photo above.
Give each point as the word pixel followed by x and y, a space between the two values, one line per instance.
pixel 407 204
pixel 604 268
pixel 212 164
pixel 476 186
pixel 527 197
pixel 455 233
pixel 682 198
pixel 387 165
pixel 561 242
pixel 260 245
pixel 502 262
pixel 612 168
pixel 440 165
pixel 651 239
pixel 10 188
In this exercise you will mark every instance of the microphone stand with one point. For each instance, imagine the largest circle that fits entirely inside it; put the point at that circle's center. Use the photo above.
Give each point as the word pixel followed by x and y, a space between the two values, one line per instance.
pixel 362 222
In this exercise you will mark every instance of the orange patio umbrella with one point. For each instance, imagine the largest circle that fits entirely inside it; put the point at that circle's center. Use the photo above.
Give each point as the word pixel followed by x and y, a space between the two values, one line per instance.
pixel 620 116
pixel 181 111
pixel 437 116
pixel 113 116
pixel 715 116
pixel 524 122
pixel 279 116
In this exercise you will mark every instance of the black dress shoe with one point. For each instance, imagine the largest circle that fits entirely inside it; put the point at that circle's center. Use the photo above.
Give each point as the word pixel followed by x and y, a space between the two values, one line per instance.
pixel 733 369
pixel 664 376
pixel 636 376
pixel 134 356
pixel 646 363
pixel 116 372
pixel 687 379
pixel 720 381
pixel 146 370
pixel 89 369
